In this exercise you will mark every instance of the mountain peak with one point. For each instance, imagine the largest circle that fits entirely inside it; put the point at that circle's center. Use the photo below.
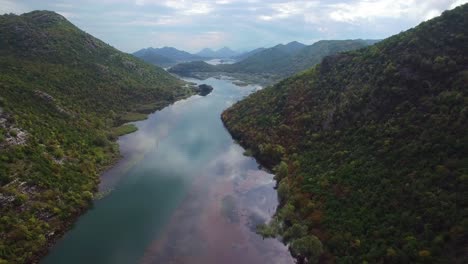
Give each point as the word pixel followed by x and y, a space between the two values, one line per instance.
pixel 165 56
pixel 291 47
pixel 295 43
pixel 44 17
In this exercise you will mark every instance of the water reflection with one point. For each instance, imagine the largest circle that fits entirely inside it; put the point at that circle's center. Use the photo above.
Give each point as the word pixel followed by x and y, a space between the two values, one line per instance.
pixel 183 193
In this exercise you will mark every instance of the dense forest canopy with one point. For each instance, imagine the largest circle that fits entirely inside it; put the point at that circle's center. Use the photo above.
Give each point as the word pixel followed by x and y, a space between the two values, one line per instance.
pixel 62 92
pixel 370 149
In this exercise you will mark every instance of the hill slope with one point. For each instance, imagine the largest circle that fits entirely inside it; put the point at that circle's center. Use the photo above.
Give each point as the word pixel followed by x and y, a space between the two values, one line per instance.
pixel 370 149
pixel 277 62
pixel 247 54
pixel 165 56
pixel 285 60
pixel 61 93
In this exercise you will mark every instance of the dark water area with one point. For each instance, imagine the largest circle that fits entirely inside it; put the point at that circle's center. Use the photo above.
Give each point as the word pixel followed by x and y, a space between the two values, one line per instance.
pixel 183 193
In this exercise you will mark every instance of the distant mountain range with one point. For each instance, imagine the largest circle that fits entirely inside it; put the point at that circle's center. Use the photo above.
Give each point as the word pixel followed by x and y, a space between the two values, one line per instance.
pixel 218 54
pixel 169 56
pixel 274 63
pixel 166 56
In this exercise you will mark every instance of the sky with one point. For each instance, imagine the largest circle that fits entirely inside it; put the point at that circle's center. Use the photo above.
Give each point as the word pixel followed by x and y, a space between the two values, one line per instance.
pixel 130 25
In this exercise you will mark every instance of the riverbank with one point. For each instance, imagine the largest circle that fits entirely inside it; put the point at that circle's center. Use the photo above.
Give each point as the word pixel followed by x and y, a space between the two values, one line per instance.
pixel 123 129
pixel 182 176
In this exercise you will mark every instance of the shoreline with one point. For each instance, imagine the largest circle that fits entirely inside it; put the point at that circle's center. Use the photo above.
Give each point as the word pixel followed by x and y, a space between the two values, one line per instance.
pixel 265 167
pixel 68 224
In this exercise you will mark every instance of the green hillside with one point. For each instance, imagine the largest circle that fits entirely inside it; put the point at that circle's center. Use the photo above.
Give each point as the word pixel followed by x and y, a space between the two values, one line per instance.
pixel 272 64
pixel 370 149
pixel 155 59
pixel 166 56
pixel 193 68
pixel 62 93
pixel 282 63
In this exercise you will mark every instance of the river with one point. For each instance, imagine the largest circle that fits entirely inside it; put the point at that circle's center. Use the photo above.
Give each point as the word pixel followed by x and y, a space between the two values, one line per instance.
pixel 182 193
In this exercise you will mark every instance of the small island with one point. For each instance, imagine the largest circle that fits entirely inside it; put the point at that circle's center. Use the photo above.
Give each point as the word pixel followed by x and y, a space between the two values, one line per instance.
pixel 204 89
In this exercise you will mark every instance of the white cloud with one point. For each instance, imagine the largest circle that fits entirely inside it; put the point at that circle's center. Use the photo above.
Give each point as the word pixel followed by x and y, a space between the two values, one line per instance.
pixel 190 41
pixel 223 2
pixel 431 14
pixel 283 10
pixel 159 21
pixel 68 15
pixel 364 9
pixel 245 23
pixel 265 18
pixel 370 10
pixel 198 9
pixel 182 6
pixel 7 6
pixel 458 3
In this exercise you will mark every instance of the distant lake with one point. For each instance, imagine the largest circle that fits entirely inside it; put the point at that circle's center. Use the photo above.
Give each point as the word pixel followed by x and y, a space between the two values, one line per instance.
pixel 183 193
pixel 220 61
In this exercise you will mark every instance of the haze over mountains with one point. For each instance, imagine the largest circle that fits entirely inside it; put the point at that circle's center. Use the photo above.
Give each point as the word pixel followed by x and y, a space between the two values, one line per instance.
pixel 168 56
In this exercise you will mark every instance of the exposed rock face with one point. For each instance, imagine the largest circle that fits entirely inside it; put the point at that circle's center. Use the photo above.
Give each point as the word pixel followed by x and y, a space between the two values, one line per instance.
pixel 50 99
pixel 204 89
pixel 12 135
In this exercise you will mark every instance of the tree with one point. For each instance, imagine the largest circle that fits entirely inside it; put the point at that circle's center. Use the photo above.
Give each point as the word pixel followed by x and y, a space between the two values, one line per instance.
pixel 309 247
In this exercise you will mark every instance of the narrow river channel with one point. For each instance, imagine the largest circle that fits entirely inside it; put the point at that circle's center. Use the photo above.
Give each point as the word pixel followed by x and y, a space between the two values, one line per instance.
pixel 183 193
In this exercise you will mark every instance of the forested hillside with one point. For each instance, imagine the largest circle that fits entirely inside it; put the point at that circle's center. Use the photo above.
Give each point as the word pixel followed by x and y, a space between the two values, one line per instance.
pixel 62 93
pixel 370 149
pixel 274 63
pixel 282 61
pixel 166 56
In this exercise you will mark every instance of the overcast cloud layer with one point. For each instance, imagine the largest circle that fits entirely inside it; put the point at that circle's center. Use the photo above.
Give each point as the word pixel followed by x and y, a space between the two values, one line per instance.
pixel 240 24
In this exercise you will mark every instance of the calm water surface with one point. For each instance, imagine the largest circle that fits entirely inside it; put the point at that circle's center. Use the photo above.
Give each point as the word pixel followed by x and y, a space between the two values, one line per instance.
pixel 183 193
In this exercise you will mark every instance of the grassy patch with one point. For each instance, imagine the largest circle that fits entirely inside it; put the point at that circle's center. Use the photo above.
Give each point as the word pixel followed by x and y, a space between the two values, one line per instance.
pixel 124 129
pixel 131 117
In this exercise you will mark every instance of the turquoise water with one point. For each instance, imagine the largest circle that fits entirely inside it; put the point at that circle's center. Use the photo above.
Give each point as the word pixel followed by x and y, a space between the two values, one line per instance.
pixel 183 193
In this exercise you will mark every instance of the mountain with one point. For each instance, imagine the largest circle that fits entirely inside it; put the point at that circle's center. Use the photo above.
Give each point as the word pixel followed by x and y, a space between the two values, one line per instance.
pixel 370 149
pixel 155 59
pixel 274 63
pixel 63 96
pixel 187 69
pixel 218 54
pixel 290 48
pixel 225 53
pixel 285 60
pixel 165 56
pixel 245 55
pixel 206 52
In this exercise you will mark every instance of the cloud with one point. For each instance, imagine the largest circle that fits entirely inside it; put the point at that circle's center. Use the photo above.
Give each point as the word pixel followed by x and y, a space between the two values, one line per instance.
pixel 458 3
pixel 240 24
pixel 68 15
pixel 282 10
pixel 369 10
pixel 365 10
pixel 182 6
pixel 7 6
pixel 158 21
pixel 190 40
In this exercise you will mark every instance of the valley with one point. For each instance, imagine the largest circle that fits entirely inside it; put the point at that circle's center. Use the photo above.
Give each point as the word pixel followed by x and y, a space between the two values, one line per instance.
pixel 341 147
